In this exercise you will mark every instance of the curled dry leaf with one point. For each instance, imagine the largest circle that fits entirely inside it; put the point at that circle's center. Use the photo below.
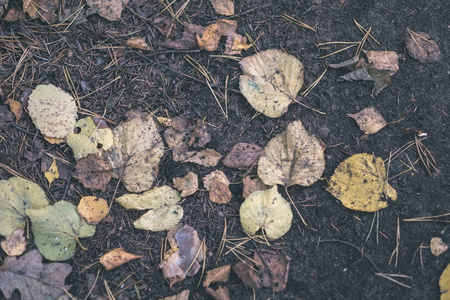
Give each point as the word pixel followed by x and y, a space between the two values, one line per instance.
pixel 217 184
pixel 209 40
pixel 271 81
pixel 256 275
pixel 220 274
pixel 16 108
pixel 15 244
pixel 360 182
pixel 222 293
pixel 437 246
pixel 235 44
pixel 184 295
pixel 292 157
pixel 52 110
pixel 421 47
pixel 93 172
pixel 138 43
pixel 116 258
pixel 369 119
pixel 33 279
pixel 92 209
pixel 188 40
pixel 187 185
pixel 242 156
pixel 252 185
pixel 223 7
pixel 111 10
pixel 207 158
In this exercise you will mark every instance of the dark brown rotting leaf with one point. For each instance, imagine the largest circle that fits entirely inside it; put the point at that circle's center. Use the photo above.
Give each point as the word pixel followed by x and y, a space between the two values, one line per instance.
pixel 188 40
pixel 165 25
pixel 200 136
pixel 242 156
pixel 93 172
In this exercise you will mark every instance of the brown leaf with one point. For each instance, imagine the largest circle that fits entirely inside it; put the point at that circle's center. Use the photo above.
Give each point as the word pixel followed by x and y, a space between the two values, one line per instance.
pixel 111 10
pixel 221 293
pixel 184 295
pixel 220 274
pixel 207 158
pixel 200 137
pixel 14 14
pixel 437 246
pixel 383 61
pixel 15 244
pixel 43 9
pixel 210 38
pixel 116 258
pixel 235 44
pixel 223 7
pixel 34 151
pixel 165 25
pixel 138 43
pixel 188 40
pixel 275 276
pixel 92 209
pixel 47 161
pixel 421 47
pixel 242 156
pixel 15 107
pixel 252 185
pixel 227 27
pixel 93 172
pixel 32 278
pixel 369 120
pixel 217 184
pixel 187 185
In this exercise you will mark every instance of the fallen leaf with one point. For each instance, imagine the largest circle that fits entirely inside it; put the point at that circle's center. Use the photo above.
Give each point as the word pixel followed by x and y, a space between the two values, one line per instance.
pixel 14 15
pixel 92 209
pixel 165 25
pixel 252 185
pixel 207 158
pixel 242 156
pixel 164 121
pixel 188 40
pixel 444 283
pixel 220 274
pixel 360 182
pixel 383 60
pixel 184 295
pixel 223 7
pixel 217 184
pixel 221 293
pixel 187 185
pixel 53 140
pixel 164 213
pixel 17 195
pixel 111 10
pixel 116 258
pixel 138 43
pixel 136 152
pixel 227 27
pixel 6 117
pixel 15 107
pixel 235 44
pixel 52 110
pixel 209 39
pixel 292 157
pixel 271 81
pixel 15 244
pixel 43 9
pixel 57 228
pixel 437 246
pixel 256 274
pixel 200 136
pixel 421 47
pixel 35 150
pixel 178 142
pixel 266 210
pixel 370 120
pixel 52 172
pixel 90 136
pixel 93 172
pixel 33 279
pixel 74 16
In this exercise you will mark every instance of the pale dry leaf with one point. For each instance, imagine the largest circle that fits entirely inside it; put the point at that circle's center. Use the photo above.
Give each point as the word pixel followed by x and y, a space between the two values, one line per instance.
pixel 200 135
pixel 92 209
pixel 220 274
pixel 111 10
pixel 251 185
pixel 223 7
pixel 178 142
pixel 437 246
pixel 218 186
pixel 138 43
pixel 187 185
pixel 271 81
pixel 222 293
pixel 383 60
pixel 242 156
pixel 15 244
pixel 294 157
pixel 116 258
pixel 207 158
pixel 370 120
pixel 215 176
pixel 421 47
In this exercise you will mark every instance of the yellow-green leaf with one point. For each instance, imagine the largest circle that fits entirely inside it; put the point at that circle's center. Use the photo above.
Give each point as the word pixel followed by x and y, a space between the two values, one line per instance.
pixel 444 283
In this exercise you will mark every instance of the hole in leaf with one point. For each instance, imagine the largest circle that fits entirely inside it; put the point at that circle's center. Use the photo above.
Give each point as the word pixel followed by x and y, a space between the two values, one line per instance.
pixel 77 130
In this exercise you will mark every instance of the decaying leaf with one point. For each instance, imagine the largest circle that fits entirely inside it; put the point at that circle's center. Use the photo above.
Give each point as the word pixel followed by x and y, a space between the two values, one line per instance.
pixel 209 40
pixel 188 40
pixel 187 185
pixel 266 210
pixel 92 209
pixel 184 295
pixel 178 142
pixel 437 246
pixel 93 172
pixel 271 81
pixel 252 185
pixel 207 158
pixel 217 184
pixel 90 136
pixel 138 43
pixel 235 44
pixel 223 7
pixel 15 244
pixel 199 136
pixel 56 229
pixel 17 195
pixel 33 279
pixel 35 150
pixel 16 108
pixel 164 213
pixel 256 275
pixel 185 255
pixel 292 157
pixel 111 10
pixel 369 119
pixel 52 110
pixel 116 258
pixel 227 27
pixel 52 172
pixel 74 16
pixel 444 283
pixel 136 152
pixel 360 182
pixel 14 14
pixel 220 274
pixel 421 47
pixel 242 156
pixel 43 9
pixel 165 25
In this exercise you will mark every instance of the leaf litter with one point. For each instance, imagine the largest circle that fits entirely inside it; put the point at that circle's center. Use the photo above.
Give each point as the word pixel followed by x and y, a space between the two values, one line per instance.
pixel 15 244
pixel 421 47
pixel 187 185
pixel 369 119
pixel 220 274
pixel 93 172
pixel 217 184
pixel 92 209
pixel 116 258
pixel 242 156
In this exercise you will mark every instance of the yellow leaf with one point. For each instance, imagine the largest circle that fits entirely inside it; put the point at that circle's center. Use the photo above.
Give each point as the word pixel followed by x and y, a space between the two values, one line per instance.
pixel 52 172
pixel 138 43
pixel 444 283
pixel 116 257
pixel 92 209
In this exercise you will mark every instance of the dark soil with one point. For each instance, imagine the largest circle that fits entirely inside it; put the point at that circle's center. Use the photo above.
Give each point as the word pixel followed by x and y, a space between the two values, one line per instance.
pixel 324 263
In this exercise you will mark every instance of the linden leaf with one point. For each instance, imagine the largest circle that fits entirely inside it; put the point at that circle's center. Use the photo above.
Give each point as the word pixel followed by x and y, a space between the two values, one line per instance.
pixel 33 279
pixel 187 185
pixel 360 182
pixel 52 110
pixel 369 119
pixel 93 172
pixel 15 244
pixel 56 229
pixel 223 7
pixel 90 136
pixel 16 196
pixel 92 209
pixel 292 157
pixel 268 210
pixel 444 283
pixel 136 152
pixel 116 257
pixel 271 81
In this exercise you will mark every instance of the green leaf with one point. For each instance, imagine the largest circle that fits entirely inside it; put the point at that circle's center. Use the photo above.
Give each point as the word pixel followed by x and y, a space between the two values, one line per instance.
pixel 16 196
pixel 57 228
